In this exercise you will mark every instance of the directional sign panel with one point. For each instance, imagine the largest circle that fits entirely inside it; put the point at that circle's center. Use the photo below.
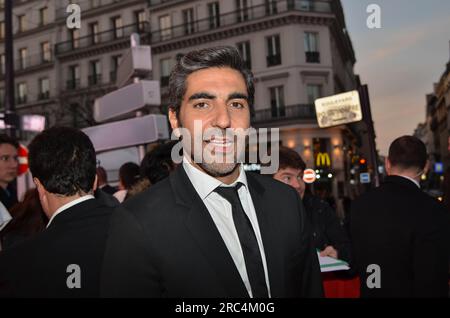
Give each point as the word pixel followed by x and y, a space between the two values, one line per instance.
pixel 126 100
pixel 137 62
pixel 127 133
pixel 364 177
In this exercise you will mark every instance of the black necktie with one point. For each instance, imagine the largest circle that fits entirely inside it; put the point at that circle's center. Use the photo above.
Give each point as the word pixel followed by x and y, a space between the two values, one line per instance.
pixel 247 238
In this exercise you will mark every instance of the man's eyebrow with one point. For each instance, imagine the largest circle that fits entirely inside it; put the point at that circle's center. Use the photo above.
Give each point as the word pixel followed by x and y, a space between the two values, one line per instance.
pixel 201 95
pixel 237 95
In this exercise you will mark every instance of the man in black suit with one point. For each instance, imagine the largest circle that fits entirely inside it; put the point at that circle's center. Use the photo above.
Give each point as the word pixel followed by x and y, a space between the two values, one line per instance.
pixel 210 229
pixel 400 234
pixel 65 259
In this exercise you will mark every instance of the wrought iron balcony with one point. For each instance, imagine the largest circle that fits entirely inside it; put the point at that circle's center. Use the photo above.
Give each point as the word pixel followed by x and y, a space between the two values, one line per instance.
pixel 287 113
pixel 240 16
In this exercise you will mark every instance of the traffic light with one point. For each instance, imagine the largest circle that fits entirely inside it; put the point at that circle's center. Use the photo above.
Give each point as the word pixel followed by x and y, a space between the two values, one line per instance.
pixel 362 165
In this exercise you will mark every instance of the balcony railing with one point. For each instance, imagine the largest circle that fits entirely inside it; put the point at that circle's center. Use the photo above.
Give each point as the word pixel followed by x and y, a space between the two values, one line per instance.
pixel 164 81
pixel 102 37
pixel 21 99
pixel 32 61
pixel 73 84
pixel 240 16
pixel 112 76
pixel 273 60
pixel 95 79
pixel 44 95
pixel 295 112
pixel 312 57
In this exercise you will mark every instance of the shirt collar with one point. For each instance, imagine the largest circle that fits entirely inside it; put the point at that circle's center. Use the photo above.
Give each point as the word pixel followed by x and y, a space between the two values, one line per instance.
pixel 69 205
pixel 412 180
pixel 204 184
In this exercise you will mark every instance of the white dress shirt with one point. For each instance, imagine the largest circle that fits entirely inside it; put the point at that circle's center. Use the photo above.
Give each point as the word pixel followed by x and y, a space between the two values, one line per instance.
pixel 221 213
pixel 412 180
pixel 69 205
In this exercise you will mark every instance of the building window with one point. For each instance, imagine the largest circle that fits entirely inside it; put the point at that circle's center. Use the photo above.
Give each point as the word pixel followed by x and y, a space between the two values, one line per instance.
pixel 117 27
pixel 22 23
pixel 115 62
pixel 165 71
pixel 242 10
pixel 23 53
pixel 46 53
pixel 96 73
pixel 165 26
pixel 312 47
pixel 277 101
pixel 273 50
pixel 214 15
pixel 74 77
pixel 21 93
pixel 140 20
pixel 271 7
pixel 75 38
pixel 43 16
pixel 244 51
pixel 44 88
pixel 2 30
pixel 313 91
pixel 2 64
pixel 188 21
pixel 93 28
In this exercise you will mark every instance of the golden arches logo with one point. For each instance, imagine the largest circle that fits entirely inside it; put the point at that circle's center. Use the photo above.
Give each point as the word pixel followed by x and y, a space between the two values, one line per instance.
pixel 323 159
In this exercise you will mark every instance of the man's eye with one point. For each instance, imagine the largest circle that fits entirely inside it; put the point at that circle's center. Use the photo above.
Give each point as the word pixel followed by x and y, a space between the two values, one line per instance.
pixel 287 179
pixel 237 105
pixel 200 105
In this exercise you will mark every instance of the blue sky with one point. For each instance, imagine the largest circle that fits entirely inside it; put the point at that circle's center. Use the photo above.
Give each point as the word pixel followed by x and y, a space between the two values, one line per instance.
pixel 401 60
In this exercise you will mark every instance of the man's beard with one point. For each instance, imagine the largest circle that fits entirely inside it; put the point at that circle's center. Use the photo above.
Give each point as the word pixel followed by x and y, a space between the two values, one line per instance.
pixel 217 170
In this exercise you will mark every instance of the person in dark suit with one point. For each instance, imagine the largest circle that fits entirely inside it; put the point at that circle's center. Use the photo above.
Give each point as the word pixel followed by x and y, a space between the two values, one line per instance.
pixel 400 234
pixel 65 259
pixel 8 170
pixel 103 185
pixel 211 229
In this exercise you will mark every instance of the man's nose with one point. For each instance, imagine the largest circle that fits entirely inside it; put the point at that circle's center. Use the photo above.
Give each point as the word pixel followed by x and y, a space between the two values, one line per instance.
pixel 222 116
pixel 295 183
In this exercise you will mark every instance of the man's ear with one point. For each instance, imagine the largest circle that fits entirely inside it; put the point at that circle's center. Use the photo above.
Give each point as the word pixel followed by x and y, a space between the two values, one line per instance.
pixel 387 165
pixel 95 185
pixel 427 167
pixel 40 188
pixel 174 122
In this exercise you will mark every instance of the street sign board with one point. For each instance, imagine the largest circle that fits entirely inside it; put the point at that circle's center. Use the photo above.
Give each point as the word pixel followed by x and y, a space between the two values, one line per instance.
pixel 338 109
pixel 364 177
pixel 34 123
pixel 126 100
pixel 136 63
pixel 127 133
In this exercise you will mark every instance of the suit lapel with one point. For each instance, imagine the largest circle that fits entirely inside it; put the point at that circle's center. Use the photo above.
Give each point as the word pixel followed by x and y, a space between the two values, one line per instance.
pixel 269 236
pixel 205 233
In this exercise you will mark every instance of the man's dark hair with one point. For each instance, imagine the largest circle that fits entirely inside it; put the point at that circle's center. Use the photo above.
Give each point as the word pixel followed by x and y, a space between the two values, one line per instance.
pixel 5 139
pixel 408 152
pixel 290 159
pixel 158 164
pixel 129 174
pixel 221 56
pixel 63 159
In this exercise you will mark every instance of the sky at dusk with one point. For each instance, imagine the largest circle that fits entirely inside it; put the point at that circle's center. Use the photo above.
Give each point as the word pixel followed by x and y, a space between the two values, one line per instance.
pixel 401 60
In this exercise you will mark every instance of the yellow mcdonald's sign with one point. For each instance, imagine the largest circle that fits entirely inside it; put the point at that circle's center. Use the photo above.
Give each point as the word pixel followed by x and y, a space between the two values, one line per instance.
pixel 323 160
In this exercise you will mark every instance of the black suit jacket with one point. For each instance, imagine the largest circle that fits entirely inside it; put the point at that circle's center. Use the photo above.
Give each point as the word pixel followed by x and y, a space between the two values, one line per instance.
pixel 164 243
pixel 406 232
pixel 109 189
pixel 38 267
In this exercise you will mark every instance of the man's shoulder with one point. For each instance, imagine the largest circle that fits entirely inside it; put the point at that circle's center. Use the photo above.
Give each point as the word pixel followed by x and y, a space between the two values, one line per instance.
pixel 267 182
